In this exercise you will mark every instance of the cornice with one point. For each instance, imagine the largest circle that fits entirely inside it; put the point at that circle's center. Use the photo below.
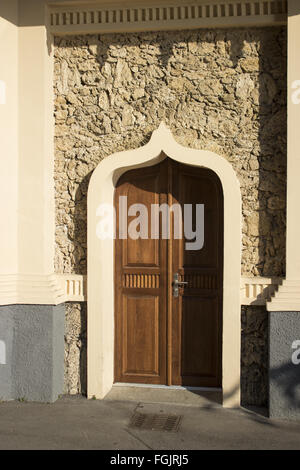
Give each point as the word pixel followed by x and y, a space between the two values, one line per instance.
pixel 113 17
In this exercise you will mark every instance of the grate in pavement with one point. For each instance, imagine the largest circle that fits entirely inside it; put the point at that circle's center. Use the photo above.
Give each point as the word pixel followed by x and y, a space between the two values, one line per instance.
pixel 155 422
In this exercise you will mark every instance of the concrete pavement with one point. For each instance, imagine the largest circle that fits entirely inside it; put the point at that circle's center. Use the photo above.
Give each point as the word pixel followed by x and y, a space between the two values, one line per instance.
pixel 78 423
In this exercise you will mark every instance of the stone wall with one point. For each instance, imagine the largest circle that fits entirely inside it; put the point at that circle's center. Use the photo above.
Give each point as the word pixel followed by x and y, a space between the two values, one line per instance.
pixel 223 90
pixel 75 349
pixel 254 356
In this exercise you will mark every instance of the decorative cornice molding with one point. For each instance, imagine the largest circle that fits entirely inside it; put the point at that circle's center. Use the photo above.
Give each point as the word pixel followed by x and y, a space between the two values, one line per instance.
pixel 258 290
pixel 58 288
pixel 52 289
pixel 152 16
pixel 287 298
pixel 73 286
pixel 30 289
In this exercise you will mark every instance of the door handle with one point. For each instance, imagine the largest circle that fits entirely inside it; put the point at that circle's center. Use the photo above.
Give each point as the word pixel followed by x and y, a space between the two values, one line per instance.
pixel 176 284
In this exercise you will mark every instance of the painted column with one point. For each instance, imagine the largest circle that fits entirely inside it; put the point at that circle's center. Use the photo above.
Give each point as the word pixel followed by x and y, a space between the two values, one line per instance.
pixel 8 136
pixel 284 316
pixel 36 192
pixel 31 334
pixel 27 156
pixel 293 162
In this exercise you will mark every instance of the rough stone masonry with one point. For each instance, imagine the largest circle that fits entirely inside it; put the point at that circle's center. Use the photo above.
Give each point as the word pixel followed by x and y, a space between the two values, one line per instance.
pixel 221 90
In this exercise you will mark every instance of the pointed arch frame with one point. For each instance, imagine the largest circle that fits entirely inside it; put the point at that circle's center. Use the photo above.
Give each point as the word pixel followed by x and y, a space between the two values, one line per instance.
pixel 100 288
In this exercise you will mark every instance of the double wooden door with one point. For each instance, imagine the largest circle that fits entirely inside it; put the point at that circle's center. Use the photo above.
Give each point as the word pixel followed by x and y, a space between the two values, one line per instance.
pixel 165 335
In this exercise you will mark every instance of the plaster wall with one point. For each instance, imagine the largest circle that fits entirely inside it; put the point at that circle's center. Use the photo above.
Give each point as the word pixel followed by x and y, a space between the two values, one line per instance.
pixel 33 337
pixel 9 135
pixel 284 378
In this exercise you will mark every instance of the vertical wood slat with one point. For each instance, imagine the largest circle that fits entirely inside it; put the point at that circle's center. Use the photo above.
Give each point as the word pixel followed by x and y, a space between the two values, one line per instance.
pixel 141 281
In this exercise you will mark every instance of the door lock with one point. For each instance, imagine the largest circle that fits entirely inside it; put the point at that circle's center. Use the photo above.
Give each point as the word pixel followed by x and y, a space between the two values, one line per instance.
pixel 176 284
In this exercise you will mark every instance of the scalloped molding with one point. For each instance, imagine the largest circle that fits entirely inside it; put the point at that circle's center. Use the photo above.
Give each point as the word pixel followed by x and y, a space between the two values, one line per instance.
pixel 154 16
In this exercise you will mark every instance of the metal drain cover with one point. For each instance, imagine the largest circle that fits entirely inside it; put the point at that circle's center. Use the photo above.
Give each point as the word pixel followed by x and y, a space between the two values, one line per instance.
pixel 155 422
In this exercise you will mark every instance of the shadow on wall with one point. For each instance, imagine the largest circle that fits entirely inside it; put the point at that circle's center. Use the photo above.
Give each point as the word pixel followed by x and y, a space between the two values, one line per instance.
pixel 80 226
pixel 166 47
pixel 272 158
pixel 254 356
pixel 285 386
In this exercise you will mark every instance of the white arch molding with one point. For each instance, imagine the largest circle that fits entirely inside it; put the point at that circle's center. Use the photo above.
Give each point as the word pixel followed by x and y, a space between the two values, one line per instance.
pixel 101 260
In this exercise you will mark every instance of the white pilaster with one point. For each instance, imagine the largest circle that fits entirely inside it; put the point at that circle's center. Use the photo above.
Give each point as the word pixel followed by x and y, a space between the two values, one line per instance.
pixel 8 135
pixel 36 192
pixel 288 296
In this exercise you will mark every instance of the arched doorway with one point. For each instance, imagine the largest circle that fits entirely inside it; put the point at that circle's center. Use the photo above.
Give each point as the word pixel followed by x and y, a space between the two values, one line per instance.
pixel 169 276
pixel 100 281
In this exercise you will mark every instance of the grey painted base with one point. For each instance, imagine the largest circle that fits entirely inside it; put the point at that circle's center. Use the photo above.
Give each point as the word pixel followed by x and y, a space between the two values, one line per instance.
pixel 31 352
pixel 284 372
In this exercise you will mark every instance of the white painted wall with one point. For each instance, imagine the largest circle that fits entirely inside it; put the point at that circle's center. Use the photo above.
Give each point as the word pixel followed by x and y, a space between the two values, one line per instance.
pixel 36 127
pixel 8 135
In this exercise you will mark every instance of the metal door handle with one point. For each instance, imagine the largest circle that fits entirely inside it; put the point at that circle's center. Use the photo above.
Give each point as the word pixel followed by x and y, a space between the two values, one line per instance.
pixel 176 284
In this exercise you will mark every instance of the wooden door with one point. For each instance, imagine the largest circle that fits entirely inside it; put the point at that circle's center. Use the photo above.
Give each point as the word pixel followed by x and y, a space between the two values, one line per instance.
pixel 160 338
pixel 196 314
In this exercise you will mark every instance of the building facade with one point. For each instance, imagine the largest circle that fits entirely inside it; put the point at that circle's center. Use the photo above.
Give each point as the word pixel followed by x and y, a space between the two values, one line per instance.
pixel 92 93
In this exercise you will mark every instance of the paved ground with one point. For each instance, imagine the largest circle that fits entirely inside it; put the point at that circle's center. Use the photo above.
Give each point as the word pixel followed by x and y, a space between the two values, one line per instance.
pixel 78 423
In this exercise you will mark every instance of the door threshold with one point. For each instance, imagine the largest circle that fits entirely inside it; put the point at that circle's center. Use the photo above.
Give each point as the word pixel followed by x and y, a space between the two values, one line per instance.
pixel 168 387
pixel 144 393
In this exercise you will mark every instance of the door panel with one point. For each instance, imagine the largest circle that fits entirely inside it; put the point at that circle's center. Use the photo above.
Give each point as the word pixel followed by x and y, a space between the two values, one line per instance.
pixel 145 191
pixel 140 325
pixel 140 286
pixel 159 338
pixel 196 313
pixel 199 350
